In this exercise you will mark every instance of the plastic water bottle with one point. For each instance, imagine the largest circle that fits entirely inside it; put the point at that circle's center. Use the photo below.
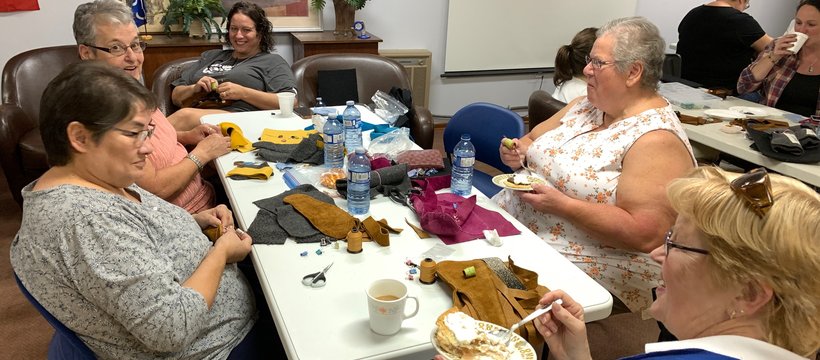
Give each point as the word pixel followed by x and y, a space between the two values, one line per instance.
pixel 320 105
pixel 461 179
pixel 358 182
pixel 353 127
pixel 334 142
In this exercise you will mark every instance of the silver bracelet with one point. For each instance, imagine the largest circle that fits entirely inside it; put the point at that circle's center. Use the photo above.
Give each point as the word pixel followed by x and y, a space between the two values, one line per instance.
pixel 196 161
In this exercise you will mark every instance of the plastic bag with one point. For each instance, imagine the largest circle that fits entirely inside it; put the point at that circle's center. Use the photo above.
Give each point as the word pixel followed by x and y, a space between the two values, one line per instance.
pixel 387 107
pixel 392 143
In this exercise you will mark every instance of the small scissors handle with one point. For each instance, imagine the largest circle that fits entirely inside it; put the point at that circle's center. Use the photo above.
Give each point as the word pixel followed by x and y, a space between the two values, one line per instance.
pixel 316 279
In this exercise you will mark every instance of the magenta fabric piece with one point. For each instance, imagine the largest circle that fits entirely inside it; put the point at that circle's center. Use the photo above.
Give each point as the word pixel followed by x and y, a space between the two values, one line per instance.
pixel 379 162
pixel 456 219
pixel 433 182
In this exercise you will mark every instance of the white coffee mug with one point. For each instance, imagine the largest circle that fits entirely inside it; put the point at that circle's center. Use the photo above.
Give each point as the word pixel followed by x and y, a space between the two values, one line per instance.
pixel 386 300
pixel 286 100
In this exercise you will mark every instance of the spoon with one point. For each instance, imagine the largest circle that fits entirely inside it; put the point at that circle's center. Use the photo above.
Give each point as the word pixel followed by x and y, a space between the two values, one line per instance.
pixel 507 336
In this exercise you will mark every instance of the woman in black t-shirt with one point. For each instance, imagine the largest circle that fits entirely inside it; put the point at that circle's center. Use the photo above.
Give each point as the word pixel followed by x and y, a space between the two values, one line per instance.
pixel 716 41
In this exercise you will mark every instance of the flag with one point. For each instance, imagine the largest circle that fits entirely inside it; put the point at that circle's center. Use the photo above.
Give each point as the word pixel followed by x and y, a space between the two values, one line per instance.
pixel 138 9
pixel 18 5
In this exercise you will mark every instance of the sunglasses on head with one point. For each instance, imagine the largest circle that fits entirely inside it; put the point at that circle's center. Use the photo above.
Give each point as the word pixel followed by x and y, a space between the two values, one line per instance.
pixel 756 189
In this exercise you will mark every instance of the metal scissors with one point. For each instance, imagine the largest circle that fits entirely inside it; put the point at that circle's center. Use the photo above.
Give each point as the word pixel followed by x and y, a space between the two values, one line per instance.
pixel 316 279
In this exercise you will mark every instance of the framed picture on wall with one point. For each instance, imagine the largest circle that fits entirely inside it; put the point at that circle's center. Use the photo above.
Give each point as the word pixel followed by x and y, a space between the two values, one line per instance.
pixel 287 15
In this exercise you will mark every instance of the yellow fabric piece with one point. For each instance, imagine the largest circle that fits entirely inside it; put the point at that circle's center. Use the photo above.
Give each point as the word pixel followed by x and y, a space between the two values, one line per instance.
pixel 238 140
pixel 285 136
pixel 260 174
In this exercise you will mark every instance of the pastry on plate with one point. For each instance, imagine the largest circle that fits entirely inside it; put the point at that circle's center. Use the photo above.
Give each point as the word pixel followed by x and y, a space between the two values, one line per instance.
pixel 459 336
pixel 519 181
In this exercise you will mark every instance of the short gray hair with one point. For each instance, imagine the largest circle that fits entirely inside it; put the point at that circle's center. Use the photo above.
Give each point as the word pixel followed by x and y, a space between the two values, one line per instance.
pixel 89 15
pixel 637 40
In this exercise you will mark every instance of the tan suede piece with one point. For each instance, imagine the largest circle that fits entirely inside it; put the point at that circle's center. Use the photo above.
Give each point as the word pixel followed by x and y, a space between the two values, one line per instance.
pixel 376 232
pixel 485 297
pixel 213 233
pixel 329 219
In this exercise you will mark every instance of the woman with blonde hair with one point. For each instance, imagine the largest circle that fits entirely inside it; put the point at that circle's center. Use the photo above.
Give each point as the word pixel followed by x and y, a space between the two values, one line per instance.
pixel 570 61
pixel 740 270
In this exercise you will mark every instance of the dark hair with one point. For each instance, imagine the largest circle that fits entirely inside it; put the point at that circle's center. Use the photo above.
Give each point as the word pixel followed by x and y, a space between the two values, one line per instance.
pixel 570 59
pixel 814 3
pixel 92 93
pixel 264 28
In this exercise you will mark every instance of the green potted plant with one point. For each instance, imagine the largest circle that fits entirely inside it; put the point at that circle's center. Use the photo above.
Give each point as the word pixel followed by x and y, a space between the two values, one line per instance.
pixel 345 11
pixel 189 12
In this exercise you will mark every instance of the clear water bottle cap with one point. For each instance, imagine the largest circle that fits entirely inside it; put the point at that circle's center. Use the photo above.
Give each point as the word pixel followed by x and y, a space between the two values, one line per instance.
pixel 465 136
pixel 360 150
pixel 331 114
pixel 350 102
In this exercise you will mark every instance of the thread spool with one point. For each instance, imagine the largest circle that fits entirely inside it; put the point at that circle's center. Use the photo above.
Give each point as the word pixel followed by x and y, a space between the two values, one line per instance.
pixel 469 272
pixel 428 271
pixel 354 241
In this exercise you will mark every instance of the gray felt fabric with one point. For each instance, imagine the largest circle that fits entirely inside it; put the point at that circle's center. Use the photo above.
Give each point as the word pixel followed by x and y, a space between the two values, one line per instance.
pixel 276 221
pixel 785 141
pixel 392 179
pixel 304 152
pixel 807 135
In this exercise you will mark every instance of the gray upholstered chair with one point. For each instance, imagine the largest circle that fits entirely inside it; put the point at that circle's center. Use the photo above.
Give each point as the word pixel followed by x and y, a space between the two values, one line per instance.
pixel 25 76
pixel 542 106
pixel 373 73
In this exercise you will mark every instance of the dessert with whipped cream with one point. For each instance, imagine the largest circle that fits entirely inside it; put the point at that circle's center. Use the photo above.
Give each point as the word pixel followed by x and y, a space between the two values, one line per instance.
pixel 519 181
pixel 460 337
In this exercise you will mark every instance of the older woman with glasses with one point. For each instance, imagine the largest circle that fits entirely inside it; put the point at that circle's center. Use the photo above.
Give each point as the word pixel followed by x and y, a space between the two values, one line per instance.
pixel 607 158
pixel 105 32
pixel 740 273
pixel 132 275
pixel 246 77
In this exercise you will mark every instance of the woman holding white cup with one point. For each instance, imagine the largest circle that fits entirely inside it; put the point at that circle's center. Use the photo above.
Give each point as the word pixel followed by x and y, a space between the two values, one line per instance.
pixel 786 72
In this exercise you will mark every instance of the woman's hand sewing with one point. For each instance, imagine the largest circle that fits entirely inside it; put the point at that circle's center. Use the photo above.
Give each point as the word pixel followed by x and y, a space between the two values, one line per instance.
pixel 218 216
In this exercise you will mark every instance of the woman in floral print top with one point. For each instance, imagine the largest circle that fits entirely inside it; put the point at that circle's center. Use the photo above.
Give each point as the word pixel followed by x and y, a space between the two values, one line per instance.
pixel 607 158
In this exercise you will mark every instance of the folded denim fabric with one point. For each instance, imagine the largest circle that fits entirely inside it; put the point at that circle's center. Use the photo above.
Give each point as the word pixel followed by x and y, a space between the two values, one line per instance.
pixel 785 141
pixel 807 136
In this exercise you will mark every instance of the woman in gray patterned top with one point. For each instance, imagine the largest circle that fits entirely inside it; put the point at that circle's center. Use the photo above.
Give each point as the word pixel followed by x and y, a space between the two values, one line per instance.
pixel 130 273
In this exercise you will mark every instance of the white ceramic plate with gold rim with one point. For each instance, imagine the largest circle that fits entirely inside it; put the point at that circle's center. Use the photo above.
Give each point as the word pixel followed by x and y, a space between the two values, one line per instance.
pixel 519 348
pixel 751 112
pixel 724 114
pixel 502 181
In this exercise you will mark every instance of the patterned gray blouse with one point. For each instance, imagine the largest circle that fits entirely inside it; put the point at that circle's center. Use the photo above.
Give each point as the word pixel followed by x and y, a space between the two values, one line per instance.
pixel 112 270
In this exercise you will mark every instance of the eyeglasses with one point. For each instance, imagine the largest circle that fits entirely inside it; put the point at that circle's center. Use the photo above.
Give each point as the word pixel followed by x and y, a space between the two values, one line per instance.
pixel 120 50
pixel 139 136
pixel 671 244
pixel 756 189
pixel 598 64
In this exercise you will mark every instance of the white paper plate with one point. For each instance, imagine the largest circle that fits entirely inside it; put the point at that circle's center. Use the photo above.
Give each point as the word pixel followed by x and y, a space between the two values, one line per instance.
pixel 501 180
pixel 724 114
pixel 519 348
pixel 751 112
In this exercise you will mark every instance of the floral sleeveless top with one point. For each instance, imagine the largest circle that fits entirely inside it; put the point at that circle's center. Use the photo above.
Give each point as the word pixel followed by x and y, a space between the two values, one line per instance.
pixel 586 165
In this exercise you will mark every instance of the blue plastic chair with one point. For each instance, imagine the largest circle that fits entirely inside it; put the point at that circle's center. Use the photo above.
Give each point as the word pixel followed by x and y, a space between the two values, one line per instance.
pixel 65 344
pixel 487 124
